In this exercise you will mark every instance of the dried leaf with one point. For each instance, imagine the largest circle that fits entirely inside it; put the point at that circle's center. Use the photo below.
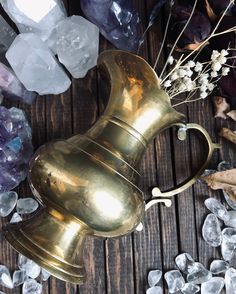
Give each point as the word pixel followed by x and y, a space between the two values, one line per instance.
pixel 210 11
pixel 228 134
pixel 232 114
pixel 225 180
pixel 221 107
pixel 155 12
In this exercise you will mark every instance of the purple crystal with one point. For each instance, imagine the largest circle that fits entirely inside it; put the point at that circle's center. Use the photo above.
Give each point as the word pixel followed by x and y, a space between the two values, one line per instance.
pixel 15 147
pixel 12 88
pixel 117 20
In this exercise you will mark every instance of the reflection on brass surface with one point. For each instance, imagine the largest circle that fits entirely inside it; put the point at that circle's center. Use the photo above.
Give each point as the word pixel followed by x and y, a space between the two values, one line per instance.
pixel 88 183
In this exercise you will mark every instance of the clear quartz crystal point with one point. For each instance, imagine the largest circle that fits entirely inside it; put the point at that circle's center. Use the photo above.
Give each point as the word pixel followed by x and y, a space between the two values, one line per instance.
pixel 7 202
pixel 31 286
pixel 38 17
pixel 31 268
pixel 12 88
pixel 118 21
pixel 211 231
pixel 154 277
pixel 154 290
pixel 45 275
pixel 71 42
pixel 218 266
pixel 16 218
pixel 190 289
pixel 228 243
pixel 213 286
pixel 26 205
pixel 216 207
pixel 231 222
pixel 199 274
pixel 19 276
pixel 230 281
pixel 184 262
pixel 174 280
pixel 35 65
pixel 7 36
pixel 5 277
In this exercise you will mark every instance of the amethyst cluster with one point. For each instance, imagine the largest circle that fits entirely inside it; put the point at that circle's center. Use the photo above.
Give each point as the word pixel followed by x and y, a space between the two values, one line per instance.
pixel 15 147
pixel 117 20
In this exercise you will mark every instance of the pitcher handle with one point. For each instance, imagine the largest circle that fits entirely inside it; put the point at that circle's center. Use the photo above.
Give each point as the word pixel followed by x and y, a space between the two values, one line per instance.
pixel 159 196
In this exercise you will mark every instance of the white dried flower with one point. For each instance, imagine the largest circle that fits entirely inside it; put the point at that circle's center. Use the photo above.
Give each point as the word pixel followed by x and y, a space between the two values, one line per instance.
pixel 204 79
pixel 224 52
pixel 182 72
pixel 214 74
pixel 171 60
pixel 174 76
pixel 190 64
pixel 203 88
pixel 198 67
pixel 181 87
pixel 216 66
pixel 211 87
pixel 222 60
pixel 203 95
pixel 215 54
pixel 189 73
pixel 225 71
pixel 167 84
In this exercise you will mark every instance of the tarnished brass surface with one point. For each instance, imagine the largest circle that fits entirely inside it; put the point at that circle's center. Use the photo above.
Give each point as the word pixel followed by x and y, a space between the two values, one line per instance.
pixel 88 183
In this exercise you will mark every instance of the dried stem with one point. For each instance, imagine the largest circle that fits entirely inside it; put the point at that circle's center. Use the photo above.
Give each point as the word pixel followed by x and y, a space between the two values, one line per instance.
pixel 177 40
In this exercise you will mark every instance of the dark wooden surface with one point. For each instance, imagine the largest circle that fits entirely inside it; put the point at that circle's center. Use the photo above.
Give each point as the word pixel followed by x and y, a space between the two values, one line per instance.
pixel 121 266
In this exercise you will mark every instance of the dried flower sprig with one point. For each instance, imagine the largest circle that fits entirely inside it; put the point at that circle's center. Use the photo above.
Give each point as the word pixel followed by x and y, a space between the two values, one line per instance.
pixel 186 74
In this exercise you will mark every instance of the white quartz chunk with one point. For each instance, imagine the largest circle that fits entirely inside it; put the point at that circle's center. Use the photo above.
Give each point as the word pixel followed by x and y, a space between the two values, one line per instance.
pixel 75 41
pixel 38 17
pixel 35 65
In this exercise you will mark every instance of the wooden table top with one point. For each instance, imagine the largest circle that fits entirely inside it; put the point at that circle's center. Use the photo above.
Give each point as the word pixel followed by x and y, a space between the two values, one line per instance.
pixel 120 266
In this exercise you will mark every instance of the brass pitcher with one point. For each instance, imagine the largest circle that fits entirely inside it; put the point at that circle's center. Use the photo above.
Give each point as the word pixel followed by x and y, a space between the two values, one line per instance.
pixel 88 183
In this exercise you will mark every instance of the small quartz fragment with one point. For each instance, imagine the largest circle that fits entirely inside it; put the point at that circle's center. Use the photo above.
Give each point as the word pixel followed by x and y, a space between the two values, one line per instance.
pixel 71 42
pixel 12 88
pixel 231 222
pixel 26 205
pixel 31 286
pixel 5 277
pixel 211 231
pixel 45 275
pixel 38 17
pixel 16 218
pixel 154 290
pixel 213 286
pixel 184 262
pixel 35 65
pixel 229 201
pixel 218 266
pixel 228 243
pixel 154 277
pixel 31 268
pixel 217 208
pixel 190 289
pixel 7 202
pixel 19 276
pixel 199 274
pixel 15 147
pixel 230 281
pixel 7 36
pixel 174 280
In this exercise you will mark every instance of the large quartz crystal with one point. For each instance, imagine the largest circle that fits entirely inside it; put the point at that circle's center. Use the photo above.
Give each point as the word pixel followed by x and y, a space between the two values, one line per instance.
pixel 75 41
pixel 38 17
pixel 15 147
pixel 12 88
pixel 211 230
pixel 35 65
pixel 117 21
pixel 7 36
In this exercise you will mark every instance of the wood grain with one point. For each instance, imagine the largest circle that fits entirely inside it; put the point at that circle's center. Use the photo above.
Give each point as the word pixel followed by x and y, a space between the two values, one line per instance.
pixel 120 266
